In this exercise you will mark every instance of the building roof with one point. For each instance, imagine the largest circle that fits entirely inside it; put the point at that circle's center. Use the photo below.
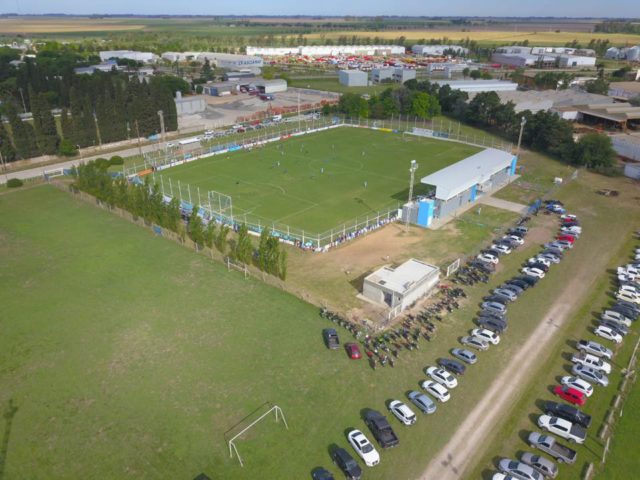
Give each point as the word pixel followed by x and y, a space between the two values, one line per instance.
pixel 461 176
pixel 402 278
pixel 276 81
pixel 616 112
pixel 478 85
pixel 630 87
pixel 535 100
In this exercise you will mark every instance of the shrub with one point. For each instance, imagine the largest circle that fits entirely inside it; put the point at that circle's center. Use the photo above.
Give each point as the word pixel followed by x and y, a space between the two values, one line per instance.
pixel 14 183
pixel 67 148
pixel 116 160
pixel 102 163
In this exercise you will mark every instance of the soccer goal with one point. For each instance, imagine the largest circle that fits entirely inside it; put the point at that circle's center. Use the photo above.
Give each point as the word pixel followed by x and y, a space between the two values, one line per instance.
pixel 274 409
pixel 54 172
pixel 453 267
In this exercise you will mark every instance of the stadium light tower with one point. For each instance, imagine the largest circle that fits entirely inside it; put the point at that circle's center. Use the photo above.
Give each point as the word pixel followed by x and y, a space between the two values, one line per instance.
pixel 523 122
pixel 412 170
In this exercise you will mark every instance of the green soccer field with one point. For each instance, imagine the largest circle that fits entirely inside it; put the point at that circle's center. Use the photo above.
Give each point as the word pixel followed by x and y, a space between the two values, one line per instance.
pixel 319 181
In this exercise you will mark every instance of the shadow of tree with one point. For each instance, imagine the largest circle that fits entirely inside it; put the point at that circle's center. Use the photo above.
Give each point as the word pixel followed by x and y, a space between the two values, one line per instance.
pixel 8 415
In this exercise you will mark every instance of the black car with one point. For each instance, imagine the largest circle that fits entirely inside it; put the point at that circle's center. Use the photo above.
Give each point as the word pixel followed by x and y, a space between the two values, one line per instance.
pixel 567 412
pixel 497 298
pixel 624 310
pixel 492 314
pixel 520 231
pixel 381 429
pixel 331 338
pixel 453 366
pixel 518 283
pixel 482 266
pixel 558 252
pixel 553 202
pixel 493 324
pixel 573 223
pixel 346 463
pixel 539 265
pixel 530 280
pixel 629 306
pixel 321 474
pixel 512 287
pixel 615 326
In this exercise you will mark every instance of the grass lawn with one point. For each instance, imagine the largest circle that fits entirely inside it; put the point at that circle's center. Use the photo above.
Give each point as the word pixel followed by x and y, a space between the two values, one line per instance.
pixel 333 85
pixel 317 182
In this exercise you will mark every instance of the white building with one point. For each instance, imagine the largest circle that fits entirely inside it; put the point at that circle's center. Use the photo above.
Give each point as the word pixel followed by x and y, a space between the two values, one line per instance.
pixel 632 170
pixel 189 105
pixel 631 54
pixel 438 50
pixel 399 288
pixel 563 57
pixel 180 56
pixel 353 78
pixel 571 61
pixel 271 86
pixel 144 57
pixel 470 86
pixel 381 74
pixel 230 61
pixel 328 50
pixel 402 75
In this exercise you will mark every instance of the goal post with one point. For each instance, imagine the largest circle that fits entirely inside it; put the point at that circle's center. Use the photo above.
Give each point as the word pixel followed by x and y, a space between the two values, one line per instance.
pixel 453 267
pixel 233 448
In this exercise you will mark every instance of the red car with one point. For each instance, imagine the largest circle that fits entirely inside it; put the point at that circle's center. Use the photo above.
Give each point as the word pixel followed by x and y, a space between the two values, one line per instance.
pixel 353 351
pixel 566 238
pixel 569 394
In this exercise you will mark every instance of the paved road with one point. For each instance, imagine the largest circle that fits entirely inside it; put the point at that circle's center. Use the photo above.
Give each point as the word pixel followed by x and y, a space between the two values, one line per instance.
pixel 503 204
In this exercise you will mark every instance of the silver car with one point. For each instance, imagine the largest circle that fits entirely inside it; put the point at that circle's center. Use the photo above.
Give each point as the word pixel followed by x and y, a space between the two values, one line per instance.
pixel 464 355
pixel 475 342
pixel 590 375
pixel 594 348
pixel 494 307
pixel 519 470
pixel 422 401
pixel 543 465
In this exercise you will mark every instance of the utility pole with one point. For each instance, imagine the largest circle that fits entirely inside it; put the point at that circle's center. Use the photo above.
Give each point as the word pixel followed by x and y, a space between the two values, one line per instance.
pixel 523 122
pixel 95 119
pixel 162 128
pixel 4 166
pixel 298 111
pixel 138 133
pixel 24 105
pixel 412 171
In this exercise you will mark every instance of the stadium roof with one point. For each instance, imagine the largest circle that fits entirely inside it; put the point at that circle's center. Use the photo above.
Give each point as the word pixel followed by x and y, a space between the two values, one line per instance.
pixel 461 176
pixel 404 277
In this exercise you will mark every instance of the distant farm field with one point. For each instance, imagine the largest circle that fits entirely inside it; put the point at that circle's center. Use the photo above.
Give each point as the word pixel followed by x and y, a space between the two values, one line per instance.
pixel 63 25
pixel 319 181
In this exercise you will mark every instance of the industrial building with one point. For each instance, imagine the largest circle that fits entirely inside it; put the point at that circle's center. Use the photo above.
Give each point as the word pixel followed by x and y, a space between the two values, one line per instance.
pixel 477 86
pixel 438 50
pixel 631 54
pixel 220 89
pixel 353 78
pixel 544 57
pixel 189 105
pixel 632 170
pixel 271 86
pixel 144 57
pixel 379 75
pixel 463 182
pixel 627 146
pixel 449 68
pixel 615 115
pixel 180 56
pixel 400 287
pixel 102 67
pixel 402 75
pixel 325 50
pixel 228 61
pixel 624 90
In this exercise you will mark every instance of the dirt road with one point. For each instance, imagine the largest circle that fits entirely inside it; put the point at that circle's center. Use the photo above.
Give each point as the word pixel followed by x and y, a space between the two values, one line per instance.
pixel 470 439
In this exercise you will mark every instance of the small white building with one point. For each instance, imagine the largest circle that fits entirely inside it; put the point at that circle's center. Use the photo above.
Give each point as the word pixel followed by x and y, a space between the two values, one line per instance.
pixel 353 78
pixel 271 86
pixel 632 170
pixel 189 105
pixel 402 75
pixel 400 287
pixel 470 86
pixel 381 74
pixel 438 50
pixel 144 57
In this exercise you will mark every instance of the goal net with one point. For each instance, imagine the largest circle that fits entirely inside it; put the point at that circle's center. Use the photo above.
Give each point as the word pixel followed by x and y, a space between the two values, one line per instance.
pixel 233 448
pixel 453 267
pixel 54 172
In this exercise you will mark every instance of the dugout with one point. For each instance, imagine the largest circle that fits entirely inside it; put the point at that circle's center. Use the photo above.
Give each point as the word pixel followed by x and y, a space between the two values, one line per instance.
pixel 465 181
pixel 398 288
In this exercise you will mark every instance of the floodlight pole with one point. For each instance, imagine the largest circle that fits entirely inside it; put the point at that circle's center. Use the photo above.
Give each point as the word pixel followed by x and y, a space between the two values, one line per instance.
pixel 523 122
pixel 412 171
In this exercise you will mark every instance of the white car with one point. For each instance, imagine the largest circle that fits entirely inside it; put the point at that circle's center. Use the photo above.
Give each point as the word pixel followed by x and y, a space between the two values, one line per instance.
pixel 550 257
pixel 579 384
pixel 575 231
pixel 364 448
pixel 616 317
pixel 402 412
pixel 501 248
pixel 488 258
pixel 533 272
pixel 607 333
pixel 443 377
pixel 540 259
pixel 562 428
pixel 475 342
pixel 486 335
pixel 514 238
pixel 439 392
pixel 592 361
pixel 628 287
pixel 568 216
pixel 628 297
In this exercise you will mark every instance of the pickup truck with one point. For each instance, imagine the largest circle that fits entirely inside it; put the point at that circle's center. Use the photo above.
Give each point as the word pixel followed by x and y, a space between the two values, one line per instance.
pixel 591 361
pixel 548 444
pixel 381 429
pixel 331 338
pixel 563 428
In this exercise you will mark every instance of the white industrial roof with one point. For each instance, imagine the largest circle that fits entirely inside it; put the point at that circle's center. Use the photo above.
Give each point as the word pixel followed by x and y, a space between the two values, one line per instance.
pixel 460 176
pixel 401 279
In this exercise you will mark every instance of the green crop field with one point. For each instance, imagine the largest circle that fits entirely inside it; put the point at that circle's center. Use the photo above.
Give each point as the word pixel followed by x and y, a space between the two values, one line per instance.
pixel 317 182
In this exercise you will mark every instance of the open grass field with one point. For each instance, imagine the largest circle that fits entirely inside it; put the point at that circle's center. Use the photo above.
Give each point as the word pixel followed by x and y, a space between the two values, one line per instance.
pixel 333 85
pixel 317 182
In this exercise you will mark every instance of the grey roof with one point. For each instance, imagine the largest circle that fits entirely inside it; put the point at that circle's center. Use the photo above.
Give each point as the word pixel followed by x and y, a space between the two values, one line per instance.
pixel 535 100
pixel 402 278
pixel 461 176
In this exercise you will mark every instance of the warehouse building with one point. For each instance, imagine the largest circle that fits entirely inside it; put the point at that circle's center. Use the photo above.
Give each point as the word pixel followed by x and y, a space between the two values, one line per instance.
pixel 221 89
pixel 627 146
pixel 379 75
pixel 476 86
pixel 544 57
pixel 463 182
pixel 402 75
pixel 271 86
pixel 439 50
pixel 616 115
pixel 624 90
pixel 399 288
pixel 632 170
pixel 327 50
pixel 189 105
pixel 144 57
pixel 631 54
pixel 230 61
pixel 180 56
pixel 353 78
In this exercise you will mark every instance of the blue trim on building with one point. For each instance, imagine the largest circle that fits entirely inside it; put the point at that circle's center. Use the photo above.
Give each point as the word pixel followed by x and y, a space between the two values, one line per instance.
pixel 425 212
pixel 474 193
pixel 514 163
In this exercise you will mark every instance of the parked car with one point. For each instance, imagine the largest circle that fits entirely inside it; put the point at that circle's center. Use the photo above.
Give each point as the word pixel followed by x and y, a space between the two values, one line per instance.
pixel 497 298
pixel 570 394
pixel 331 339
pixel 616 317
pixel 567 412
pixel 562 428
pixel 513 288
pixel 442 377
pixel 548 444
pixel 491 323
pixel 488 258
pixel 483 266
pixel 591 375
pixel 494 306
pixel 424 403
pixel 594 348
pixel 506 292
pixel 346 463
pixel 452 366
pixel 615 326
pixel 402 412
pixel 464 355
pixel 363 448
pixel 556 245
pixel 541 464
pixel 321 474
pixel 566 237
pixel 607 333
pixel 521 230
pixel 353 351
pixel 439 392
pixel 558 252
pixel 501 248
pixel 591 361
pixel 518 470
pixel 380 429
pixel 486 335
pixel 625 310
pixel 628 297
pixel 550 257
pixel 538 266
pixel 515 238
pixel 518 283
pixel 578 384
pixel 474 342
pixel 533 272
pixel 493 314
pixel 530 280
pixel 539 259
pixel 631 288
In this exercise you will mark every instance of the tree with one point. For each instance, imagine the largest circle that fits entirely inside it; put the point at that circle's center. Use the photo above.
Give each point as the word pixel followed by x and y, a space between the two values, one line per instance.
pixel 6 147
pixel 353 105
pixel 243 248
pixel 475 74
pixel 425 106
pixel 67 148
pixel 44 125
pixel 600 86
pixel 221 238
pixel 594 150
pixel 23 135
pixel 465 72
pixel 210 234
pixel 206 71
pixel 263 250
pixel 195 227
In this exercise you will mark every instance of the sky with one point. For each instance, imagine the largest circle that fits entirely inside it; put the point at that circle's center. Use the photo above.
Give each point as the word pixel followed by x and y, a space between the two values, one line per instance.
pixel 540 8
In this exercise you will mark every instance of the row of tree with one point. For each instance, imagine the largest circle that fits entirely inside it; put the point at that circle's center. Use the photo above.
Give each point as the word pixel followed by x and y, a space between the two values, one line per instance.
pixel 146 201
